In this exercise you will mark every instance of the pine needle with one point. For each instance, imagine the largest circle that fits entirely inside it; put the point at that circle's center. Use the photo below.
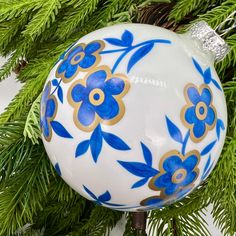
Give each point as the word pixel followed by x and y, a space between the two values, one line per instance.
pixel 43 19
pixel 29 92
pixel 10 9
pixel 75 17
pixel 32 130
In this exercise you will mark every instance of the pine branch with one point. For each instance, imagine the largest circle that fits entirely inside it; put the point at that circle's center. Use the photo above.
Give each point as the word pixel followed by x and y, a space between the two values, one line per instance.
pixel 9 29
pixel 75 17
pixel 10 9
pixel 230 59
pixel 14 156
pixel 24 193
pixel 230 94
pixel 184 7
pixel 20 53
pixel 10 132
pixel 32 130
pixel 32 193
pixel 192 224
pixel 29 91
pixel 224 200
pixel 68 214
pixel 43 19
pixel 100 222
pixel 13 149
pixel 111 7
pixel 218 14
pixel 10 65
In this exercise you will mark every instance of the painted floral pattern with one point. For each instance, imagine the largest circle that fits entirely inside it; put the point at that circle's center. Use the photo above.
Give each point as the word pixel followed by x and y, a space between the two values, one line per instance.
pixel 160 201
pixel 176 171
pixel 199 115
pixel 81 57
pixel 98 98
pixel 142 170
pixel 47 112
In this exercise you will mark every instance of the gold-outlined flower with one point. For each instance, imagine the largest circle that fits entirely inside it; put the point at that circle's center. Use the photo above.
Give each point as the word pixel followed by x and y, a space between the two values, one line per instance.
pixel 81 57
pixel 97 98
pixel 177 171
pixel 48 111
pixel 159 201
pixel 199 115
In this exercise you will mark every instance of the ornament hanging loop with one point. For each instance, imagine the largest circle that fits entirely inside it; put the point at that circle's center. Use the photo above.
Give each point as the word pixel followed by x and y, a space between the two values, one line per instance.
pixel 227 25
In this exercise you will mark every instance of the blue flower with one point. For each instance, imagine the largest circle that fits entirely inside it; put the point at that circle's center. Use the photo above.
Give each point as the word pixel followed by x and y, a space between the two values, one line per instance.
pixel 155 202
pixel 176 172
pixel 199 115
pixel 152 203
pixel 82 57
pixel 47 112
pixel 98 98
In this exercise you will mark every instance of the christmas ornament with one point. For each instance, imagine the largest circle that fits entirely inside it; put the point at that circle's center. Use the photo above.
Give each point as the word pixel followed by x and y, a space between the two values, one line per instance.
pixel 133 116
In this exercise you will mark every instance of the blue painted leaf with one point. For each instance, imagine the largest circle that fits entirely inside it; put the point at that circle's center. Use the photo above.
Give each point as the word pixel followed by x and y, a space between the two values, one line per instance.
pixel 115 142
pixel 127 38
pixel 185 142
pixel 140 183
pixel 197 66
pixel 105 197
pixel 147 154
pixel 207 168
pixel 116 42
pixel 90 193
pixel 216 84
pixel 54 82
pixel 82 148
pixel 219 126
pixel 207 164
pixel 57 168
pixel 60 130
pixel 207 75
pixel 208 148
pixel 96 143
pixel 174 131
pixel 139 54
pixel 60 94
pixel 139 169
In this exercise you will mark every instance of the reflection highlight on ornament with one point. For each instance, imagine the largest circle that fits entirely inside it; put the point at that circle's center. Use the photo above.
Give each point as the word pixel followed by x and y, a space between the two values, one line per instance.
pixel 148 81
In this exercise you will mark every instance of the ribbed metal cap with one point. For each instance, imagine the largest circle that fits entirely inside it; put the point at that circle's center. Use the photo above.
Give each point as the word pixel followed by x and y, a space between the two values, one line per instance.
pixel 210 40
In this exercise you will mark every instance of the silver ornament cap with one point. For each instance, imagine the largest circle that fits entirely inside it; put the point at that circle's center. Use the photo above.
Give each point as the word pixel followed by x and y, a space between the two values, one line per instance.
pixel 210 40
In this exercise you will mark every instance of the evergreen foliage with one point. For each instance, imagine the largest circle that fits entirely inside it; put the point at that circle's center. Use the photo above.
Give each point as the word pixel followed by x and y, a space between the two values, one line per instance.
pixel 33 199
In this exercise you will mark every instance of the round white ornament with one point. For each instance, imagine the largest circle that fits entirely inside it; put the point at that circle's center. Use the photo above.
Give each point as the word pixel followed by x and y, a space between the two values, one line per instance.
pixel 133 116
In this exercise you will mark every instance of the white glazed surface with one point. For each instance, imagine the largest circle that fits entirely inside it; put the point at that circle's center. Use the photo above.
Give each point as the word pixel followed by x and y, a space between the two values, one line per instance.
pixel 157 83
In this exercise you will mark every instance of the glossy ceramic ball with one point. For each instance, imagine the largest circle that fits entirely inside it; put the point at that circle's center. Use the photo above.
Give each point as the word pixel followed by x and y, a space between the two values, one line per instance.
pixel 133 117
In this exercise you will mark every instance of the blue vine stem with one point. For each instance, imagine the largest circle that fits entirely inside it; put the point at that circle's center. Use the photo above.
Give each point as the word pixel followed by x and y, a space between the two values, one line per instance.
pixel 185 142
pixel 128 49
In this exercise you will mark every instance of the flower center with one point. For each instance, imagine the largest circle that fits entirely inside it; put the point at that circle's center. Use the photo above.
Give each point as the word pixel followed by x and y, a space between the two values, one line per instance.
pixel 179 176
pixel 96 97
pixel 201 111
pixel 77 58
